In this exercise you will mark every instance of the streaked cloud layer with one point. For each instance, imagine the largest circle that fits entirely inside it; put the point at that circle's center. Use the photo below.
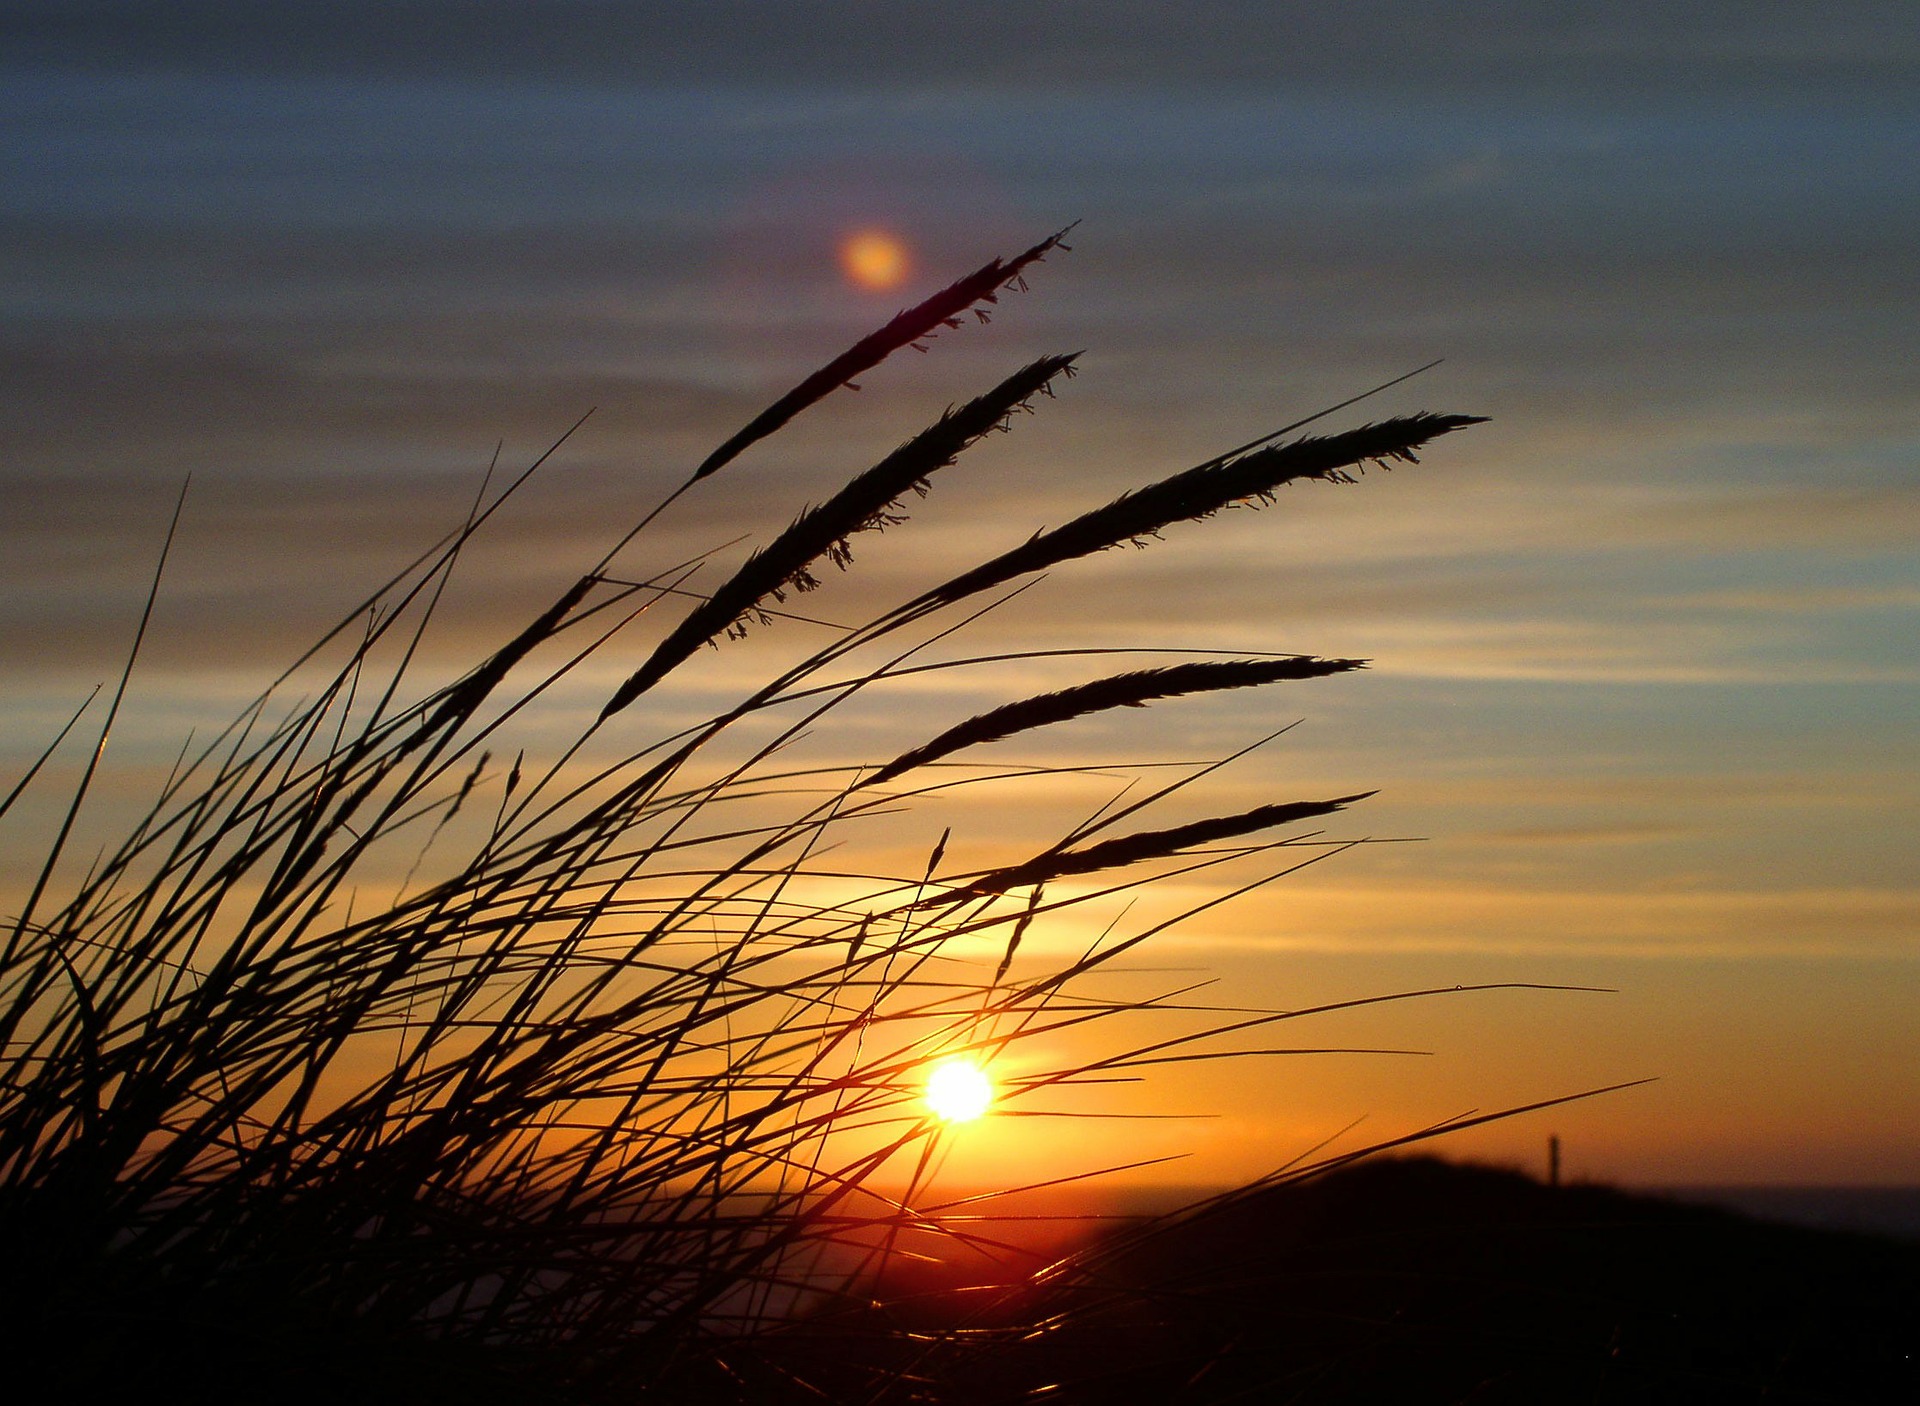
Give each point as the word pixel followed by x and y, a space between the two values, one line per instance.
pixel 1644 663
pixel 1504 43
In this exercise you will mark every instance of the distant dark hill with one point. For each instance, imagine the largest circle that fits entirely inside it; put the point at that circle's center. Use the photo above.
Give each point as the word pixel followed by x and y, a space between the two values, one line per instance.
pixel 1413 1281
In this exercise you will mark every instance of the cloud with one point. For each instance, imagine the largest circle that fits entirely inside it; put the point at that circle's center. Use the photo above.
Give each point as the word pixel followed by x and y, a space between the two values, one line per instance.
pixel 1689 790
pixel 1804 600
pixel 1583 834
pixel 1860 518
pixel 1725 923
pixel 1373 43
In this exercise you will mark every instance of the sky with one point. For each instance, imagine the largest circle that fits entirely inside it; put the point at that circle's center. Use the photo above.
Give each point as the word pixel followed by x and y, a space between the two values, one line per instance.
pixel 1643 679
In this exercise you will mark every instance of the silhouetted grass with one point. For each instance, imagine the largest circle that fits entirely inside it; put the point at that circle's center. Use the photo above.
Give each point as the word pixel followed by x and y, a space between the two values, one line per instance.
pixel 382 1056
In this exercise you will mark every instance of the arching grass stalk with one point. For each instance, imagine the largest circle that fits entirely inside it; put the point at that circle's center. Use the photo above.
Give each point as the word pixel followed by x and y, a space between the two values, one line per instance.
pixel 371 1057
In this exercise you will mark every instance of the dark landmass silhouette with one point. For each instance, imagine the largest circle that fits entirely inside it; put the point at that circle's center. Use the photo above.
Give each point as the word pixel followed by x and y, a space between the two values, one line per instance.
pixel 1414 1281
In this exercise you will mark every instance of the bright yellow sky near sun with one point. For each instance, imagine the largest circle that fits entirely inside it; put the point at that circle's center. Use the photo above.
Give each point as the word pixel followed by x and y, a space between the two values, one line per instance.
pixel 959 1090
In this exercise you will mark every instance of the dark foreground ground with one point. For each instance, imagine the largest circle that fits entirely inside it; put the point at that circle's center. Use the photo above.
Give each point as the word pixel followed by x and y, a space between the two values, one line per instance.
pixel 1414 1281
pixel 1409 1281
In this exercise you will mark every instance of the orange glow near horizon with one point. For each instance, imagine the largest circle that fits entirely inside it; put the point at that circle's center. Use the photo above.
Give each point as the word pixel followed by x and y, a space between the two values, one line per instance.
pixel 874 260
pixel 958 1091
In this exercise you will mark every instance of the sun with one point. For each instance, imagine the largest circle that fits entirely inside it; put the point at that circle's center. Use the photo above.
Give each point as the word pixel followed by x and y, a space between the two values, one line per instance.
pixel 874 259
pixel 958 1090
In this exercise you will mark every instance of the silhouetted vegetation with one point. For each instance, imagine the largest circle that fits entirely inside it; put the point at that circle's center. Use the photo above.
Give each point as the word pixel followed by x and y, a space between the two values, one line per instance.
pixel 387 1057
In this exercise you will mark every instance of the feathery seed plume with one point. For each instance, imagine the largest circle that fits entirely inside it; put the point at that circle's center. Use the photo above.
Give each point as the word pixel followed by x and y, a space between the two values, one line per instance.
pixel 924 319
pixel 1200 493
pixel 1129 690
pixel 867 503
pixel 1145 844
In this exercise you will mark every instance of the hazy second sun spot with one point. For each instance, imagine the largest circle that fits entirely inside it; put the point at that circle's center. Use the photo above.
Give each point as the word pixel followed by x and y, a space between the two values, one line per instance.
pixel 874 259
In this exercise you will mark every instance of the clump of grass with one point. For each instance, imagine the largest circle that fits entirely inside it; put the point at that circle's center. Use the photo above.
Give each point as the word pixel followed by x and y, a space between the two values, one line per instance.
pixel 382 1054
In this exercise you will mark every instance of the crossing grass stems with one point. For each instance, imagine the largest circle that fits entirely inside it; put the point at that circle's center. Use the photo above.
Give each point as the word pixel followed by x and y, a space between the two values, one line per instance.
pixel 616 1093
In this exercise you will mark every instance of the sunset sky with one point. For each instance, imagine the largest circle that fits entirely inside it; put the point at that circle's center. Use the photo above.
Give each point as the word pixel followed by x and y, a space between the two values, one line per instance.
pixel 1644 662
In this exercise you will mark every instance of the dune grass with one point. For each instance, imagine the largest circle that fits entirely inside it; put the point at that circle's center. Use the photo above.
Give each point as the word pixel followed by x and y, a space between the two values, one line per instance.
pixel 383 1051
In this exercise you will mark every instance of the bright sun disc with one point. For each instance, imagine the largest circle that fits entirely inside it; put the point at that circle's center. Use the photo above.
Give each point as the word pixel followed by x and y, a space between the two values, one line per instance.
pixel 958 1090
pixel 874 259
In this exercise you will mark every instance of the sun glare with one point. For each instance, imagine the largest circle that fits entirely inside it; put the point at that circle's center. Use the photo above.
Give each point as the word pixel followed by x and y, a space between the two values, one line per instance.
pixel 958 1090
pixel 874 259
